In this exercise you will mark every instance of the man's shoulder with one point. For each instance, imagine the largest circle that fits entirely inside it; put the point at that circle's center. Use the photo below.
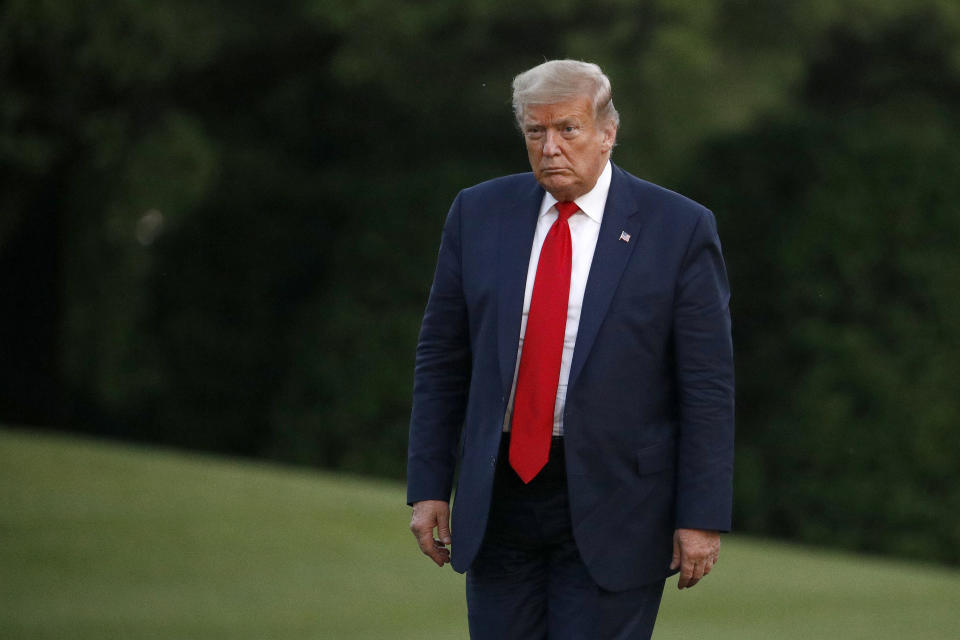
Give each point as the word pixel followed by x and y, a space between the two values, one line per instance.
pixel 656 196
pixel 504 186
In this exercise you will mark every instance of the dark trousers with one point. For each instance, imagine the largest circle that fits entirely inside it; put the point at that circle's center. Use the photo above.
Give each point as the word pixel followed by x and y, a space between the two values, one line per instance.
pixel 529 582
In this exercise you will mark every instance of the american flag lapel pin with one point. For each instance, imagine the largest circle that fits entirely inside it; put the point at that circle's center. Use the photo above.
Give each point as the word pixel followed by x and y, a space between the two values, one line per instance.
pixel 624 236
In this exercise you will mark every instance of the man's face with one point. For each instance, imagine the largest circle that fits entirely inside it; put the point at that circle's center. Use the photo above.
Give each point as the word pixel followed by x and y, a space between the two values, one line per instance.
pixel 566 148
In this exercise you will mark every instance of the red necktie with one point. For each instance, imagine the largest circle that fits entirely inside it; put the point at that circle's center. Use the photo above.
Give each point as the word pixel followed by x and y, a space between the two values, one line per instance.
pixel 539 373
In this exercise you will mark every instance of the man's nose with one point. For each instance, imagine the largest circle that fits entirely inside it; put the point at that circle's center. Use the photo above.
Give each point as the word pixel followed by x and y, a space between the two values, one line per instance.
pixel 551 143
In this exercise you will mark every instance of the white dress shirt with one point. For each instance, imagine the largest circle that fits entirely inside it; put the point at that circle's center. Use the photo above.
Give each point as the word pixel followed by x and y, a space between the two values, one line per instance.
pixel 584 231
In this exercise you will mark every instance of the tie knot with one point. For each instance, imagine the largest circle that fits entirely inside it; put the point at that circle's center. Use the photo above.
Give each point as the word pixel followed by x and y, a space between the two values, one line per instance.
pixel 566 209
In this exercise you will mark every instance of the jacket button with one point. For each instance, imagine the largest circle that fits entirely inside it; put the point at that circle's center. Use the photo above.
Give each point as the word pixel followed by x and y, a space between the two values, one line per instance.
pixel 493 462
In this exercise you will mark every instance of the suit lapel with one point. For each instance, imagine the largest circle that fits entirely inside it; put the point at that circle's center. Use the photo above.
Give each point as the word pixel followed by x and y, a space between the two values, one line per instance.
pixel 609 260
pixel 517 226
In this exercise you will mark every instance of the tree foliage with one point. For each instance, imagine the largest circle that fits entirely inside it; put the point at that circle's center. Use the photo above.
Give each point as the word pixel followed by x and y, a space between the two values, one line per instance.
pixel 841 230
pixel 218 222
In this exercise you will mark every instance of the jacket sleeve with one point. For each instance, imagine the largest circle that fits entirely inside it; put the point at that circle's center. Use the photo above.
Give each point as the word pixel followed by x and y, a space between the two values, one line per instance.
pixel 705 381
pixel 441 375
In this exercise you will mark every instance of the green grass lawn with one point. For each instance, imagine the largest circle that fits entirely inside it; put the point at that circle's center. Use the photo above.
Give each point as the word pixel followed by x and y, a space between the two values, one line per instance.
pixel 108 541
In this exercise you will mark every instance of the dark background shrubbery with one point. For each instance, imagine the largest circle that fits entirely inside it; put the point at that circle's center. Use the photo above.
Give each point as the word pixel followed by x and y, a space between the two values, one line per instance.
pixel 218 223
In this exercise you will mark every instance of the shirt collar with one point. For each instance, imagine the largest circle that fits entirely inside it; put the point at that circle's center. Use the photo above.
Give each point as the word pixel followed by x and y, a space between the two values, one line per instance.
pixel 592 202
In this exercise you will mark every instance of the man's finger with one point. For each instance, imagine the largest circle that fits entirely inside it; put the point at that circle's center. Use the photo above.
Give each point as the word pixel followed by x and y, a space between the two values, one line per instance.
pixel 440 555
pixel 443 528
pixel 676 553
pixel 425 540
pixel 698 571
pixel 433 548
pixel 692 572
pixel 708 566
pixel 686 575
pixel 688 578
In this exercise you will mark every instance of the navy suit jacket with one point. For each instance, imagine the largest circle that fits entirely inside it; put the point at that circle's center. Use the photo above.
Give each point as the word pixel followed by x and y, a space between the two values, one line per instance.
pixel 648 421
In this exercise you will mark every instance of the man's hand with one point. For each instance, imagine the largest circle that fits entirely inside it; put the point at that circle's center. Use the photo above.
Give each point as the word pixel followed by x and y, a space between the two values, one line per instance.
pixel 695 552
pixel 427 515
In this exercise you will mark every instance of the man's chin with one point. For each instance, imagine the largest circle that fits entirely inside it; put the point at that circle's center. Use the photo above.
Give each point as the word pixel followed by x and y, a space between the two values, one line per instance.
pixel 559 186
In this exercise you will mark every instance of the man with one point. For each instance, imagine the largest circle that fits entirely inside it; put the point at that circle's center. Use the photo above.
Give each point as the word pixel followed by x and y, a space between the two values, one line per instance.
pixel 575 361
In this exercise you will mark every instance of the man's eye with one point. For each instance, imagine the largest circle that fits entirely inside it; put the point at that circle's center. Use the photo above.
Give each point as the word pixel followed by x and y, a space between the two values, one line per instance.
pixel 534 134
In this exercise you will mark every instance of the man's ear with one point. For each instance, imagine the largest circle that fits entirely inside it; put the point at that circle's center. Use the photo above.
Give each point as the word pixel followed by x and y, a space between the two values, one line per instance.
pixel 609 136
